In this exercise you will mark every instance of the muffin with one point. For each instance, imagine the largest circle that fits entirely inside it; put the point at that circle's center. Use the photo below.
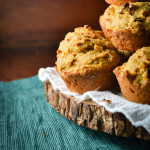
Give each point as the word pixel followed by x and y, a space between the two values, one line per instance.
pixel 121 2
pixel 127 26
pixel 134 77
pixel 85 61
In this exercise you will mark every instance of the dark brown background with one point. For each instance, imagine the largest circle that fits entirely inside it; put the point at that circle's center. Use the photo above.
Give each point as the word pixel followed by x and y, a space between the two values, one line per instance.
pixel 30 31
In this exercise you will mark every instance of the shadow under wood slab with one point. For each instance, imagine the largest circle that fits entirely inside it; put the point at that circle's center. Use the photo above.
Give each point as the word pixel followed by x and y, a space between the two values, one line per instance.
pixel 91 115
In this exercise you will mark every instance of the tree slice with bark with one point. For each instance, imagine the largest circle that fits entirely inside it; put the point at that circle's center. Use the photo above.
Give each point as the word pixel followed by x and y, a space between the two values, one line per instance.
pixel 89 114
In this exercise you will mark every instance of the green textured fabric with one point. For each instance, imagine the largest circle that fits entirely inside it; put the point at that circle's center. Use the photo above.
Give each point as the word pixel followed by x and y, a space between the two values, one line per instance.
pixel 28 122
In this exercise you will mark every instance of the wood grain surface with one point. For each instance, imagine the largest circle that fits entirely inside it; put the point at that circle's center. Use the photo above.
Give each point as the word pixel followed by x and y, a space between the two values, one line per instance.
pixel 90 115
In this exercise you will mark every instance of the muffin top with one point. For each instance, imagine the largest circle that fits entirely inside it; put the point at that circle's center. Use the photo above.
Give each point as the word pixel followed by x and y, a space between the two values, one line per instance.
pixel 121 2
pixel 134 17
pixel 138 67
pixel 85 50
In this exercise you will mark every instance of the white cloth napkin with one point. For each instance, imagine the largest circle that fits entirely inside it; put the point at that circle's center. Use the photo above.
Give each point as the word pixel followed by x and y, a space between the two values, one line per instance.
pixel 137 114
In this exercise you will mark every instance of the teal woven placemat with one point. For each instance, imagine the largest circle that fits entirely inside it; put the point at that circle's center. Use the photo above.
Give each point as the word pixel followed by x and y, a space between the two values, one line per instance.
pixel 28 122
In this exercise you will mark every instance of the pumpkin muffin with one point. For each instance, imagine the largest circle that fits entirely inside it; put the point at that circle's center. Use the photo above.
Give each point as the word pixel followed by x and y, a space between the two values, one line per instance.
pixel 134 77
pixel 86 59
pixel 121 2
pixel 127 26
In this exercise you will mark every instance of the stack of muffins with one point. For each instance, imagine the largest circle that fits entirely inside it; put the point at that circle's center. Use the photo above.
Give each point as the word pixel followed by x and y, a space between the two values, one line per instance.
pixel 89 59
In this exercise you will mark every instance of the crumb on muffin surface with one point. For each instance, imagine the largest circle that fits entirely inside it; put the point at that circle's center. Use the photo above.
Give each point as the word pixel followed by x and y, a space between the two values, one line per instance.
pixel 85 50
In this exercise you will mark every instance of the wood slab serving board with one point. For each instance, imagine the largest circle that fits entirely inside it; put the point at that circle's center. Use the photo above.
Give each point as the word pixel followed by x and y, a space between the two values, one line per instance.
pixel 90 115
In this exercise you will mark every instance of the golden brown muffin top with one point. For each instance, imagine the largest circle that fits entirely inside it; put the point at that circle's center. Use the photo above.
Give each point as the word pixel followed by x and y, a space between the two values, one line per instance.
pixel 138 67
pixel 134 17
pixel 121 2
pixel 84 50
